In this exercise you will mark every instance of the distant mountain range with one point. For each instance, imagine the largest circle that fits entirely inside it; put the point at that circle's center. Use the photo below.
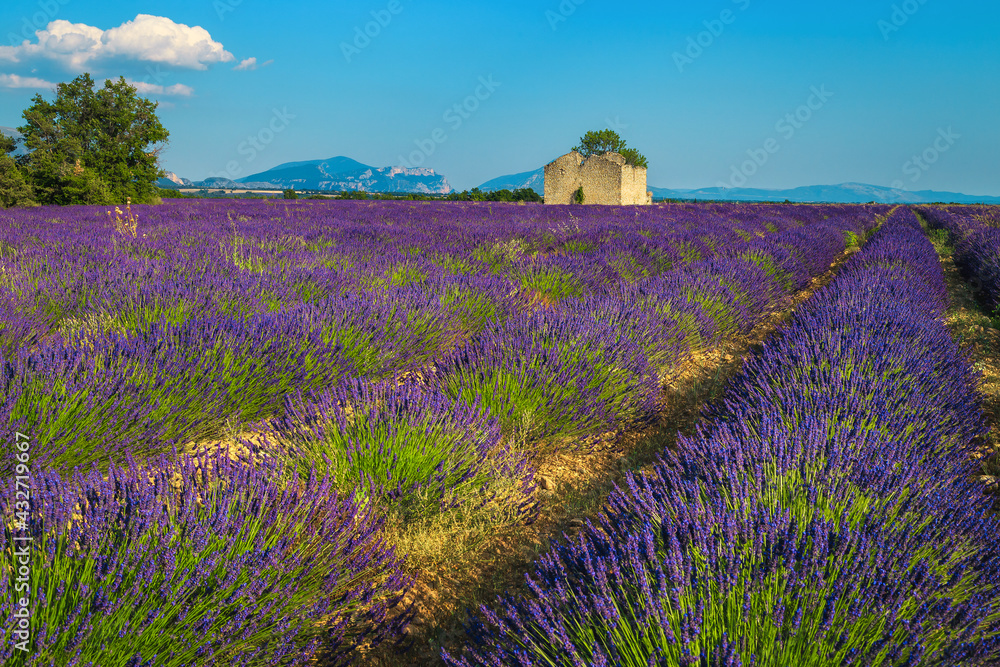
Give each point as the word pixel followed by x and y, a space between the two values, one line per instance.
pixel 845 193
pixel 338 174
pixel 528 179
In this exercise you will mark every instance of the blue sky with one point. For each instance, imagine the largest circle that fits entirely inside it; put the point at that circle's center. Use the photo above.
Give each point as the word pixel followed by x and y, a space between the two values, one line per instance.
pixel 736 92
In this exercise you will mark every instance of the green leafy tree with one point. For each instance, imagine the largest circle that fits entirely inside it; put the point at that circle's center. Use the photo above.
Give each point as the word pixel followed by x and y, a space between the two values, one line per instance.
pixel 94 146
pixel 14 187
pixel 505 195
pixel 7 144
pixel 608 141
pixel 599 143
pixel 527 194
pixel 57 182
pixel 290 194
pixel 634 158
pixel 354 194
pixel 501 195
pixel 166 193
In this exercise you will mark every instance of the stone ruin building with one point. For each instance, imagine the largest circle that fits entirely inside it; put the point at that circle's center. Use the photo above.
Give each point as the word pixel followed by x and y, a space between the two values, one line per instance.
pixel 605 179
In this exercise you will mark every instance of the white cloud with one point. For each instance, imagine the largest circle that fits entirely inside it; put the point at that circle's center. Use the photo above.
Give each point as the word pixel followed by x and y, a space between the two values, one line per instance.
pixel 251 64
pixel 15 81
pixel 178 89
pixel 158 39
pixel 147 38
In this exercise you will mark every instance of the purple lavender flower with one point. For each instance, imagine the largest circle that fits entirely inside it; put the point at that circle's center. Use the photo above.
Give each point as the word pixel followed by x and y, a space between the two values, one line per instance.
pixel 200 561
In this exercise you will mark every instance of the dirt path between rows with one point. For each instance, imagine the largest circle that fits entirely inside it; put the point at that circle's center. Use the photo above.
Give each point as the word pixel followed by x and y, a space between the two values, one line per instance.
pixel 573 488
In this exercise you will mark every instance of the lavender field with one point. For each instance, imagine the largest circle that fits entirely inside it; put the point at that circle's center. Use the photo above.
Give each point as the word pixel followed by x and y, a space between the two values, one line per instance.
pixel 224 413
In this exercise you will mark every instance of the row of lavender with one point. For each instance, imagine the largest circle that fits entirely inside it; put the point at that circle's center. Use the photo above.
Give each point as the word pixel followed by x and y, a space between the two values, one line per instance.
pixel 975 235
pixel 211 561
pixel 987 214
pixel 824 516
pixel 165 564
pixel 216 311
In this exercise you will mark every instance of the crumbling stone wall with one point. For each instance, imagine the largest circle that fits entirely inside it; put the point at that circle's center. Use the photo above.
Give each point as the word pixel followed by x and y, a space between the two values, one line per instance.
pixel 605 179
pixel 633 186
pixel 563 178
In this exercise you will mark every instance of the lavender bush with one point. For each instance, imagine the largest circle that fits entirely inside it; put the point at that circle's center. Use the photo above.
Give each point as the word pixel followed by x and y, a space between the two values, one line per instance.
pixel 552 375
pixel 143 394
pixel 199 561
pixel 410 448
